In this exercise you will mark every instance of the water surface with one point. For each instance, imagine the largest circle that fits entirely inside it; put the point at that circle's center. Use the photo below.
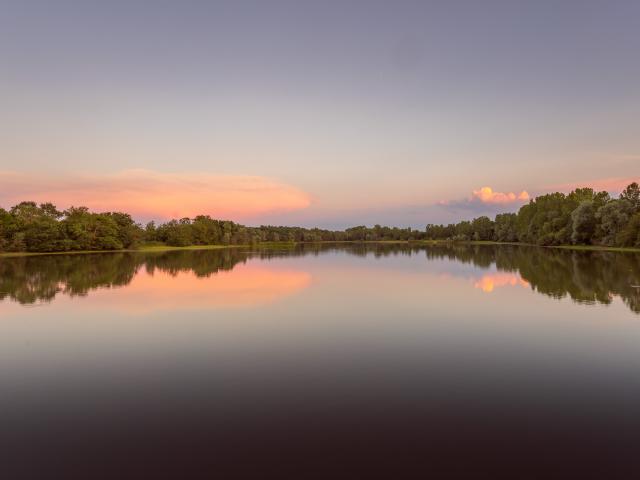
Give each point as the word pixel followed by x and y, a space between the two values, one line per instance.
pixel 453 354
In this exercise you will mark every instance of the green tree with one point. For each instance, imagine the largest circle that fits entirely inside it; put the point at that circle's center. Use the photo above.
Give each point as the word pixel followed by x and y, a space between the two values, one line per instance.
pixel 91 231
pixel 613 218
pixel 629 236
pixel 632 195
pixel 464 231
pixel 583 223
pixel 506 227
pixel 36 228
pixel 129 233
pixel 482 228
pixel 7 229
pixel 150 232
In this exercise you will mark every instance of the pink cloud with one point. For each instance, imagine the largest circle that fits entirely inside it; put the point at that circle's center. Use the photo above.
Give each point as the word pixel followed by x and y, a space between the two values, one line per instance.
pixel 487 195
pixel 485 201
pixel 147 194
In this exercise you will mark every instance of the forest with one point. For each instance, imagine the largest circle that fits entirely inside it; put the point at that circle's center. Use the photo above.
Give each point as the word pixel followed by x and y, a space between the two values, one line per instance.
pixel 582 217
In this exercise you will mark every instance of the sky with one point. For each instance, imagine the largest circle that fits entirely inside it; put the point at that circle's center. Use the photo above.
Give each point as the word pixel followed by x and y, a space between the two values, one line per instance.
pixel 316 113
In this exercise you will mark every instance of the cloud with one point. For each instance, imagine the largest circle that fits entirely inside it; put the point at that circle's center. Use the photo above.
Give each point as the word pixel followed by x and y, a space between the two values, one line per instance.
pixel 485 201
pixel 487 195
pixel 154 195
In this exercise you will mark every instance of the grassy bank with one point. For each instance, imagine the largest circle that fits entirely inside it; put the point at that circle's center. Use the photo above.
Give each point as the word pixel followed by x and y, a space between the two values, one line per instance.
pixel 144 248
pixel 592 248
pixel 598 248
pixel 168 248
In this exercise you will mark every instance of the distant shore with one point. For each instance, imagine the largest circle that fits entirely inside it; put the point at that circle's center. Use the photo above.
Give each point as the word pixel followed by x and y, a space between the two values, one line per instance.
pixel 169 248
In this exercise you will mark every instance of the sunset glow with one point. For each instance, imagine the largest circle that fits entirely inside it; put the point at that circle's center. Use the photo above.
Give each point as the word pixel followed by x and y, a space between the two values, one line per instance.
pixel 245 286
pixel 153 195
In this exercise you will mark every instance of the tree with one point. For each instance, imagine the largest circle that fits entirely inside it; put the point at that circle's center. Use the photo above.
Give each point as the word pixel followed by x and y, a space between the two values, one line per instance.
pixel 464 230
pixel 546 220
pixel 629 236
pixel 505 227
pixel 632 195
pixel 6 229
pixel 482 228
pixel 584 223
pixel 129 233
pixel 613 218
pixel 36 228
pixel 176 233
pixel 150 232
pixel 92 231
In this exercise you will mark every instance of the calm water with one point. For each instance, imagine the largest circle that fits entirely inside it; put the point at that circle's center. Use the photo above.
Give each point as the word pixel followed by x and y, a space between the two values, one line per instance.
pixel 458 356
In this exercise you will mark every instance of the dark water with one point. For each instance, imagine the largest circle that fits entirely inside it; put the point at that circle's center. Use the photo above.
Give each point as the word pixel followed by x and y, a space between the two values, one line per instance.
pixel 452 359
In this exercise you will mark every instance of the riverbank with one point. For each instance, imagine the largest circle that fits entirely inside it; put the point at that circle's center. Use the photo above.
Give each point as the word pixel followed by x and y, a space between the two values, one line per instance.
pixel 592 248
pixel 595 248
pixel 168 248
pixel 143 249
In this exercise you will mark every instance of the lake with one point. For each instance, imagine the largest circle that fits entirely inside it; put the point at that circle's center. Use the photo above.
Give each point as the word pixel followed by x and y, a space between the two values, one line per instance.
pixel 455 355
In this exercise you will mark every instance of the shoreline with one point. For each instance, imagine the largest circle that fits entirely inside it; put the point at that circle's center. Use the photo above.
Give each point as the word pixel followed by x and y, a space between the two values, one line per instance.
pixel 168 248
pixel 149 249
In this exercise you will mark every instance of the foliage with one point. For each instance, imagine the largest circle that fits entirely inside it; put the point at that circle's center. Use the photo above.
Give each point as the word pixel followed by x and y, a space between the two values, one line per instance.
pixel 583 223
pixel 613 218
pixel 42 228
pixel 583 217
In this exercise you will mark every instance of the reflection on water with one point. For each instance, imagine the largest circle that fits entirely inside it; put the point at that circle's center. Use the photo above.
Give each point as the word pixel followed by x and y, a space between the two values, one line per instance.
pixel 194 276
pixel 244 286
pixel 585 276
pixel 490 281
pixel 41 278
pixel 225 357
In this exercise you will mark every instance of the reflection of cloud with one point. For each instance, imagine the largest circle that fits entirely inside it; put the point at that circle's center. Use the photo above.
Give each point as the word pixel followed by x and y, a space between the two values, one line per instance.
pixel 146 194
pixel 245 286
pixel 491 281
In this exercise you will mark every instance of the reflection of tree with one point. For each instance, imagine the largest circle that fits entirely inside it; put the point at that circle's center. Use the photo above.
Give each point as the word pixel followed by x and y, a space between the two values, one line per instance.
pixel 480 256
pixel 584 276
pixel 202 263
pixel 31 279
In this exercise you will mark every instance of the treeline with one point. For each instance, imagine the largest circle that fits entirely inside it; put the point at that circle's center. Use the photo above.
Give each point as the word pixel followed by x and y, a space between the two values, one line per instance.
pixel 583 217
pixel 203 230
pixel 29 227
